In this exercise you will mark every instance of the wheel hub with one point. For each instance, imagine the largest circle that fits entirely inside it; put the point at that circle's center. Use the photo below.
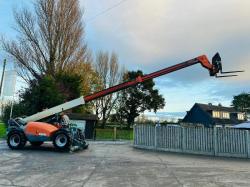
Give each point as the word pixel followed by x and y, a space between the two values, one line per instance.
pixel 61 140
pixel 15 140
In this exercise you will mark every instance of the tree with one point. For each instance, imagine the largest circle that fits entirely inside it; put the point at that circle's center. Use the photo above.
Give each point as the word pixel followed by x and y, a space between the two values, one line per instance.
pixel 49 92
pixel 50 54
pixel 50 41
pixel 241 102
pixel 87 75
pixel 41 94
pixel 45 93
pixel 139 98
pixel 108 74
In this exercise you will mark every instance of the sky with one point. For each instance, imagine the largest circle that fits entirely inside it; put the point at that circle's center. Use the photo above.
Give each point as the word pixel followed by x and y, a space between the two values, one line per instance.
pixel 153 34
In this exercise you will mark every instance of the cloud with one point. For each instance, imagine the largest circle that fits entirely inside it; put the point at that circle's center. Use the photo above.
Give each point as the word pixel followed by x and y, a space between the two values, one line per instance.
pixel 151 31
pixel 150 35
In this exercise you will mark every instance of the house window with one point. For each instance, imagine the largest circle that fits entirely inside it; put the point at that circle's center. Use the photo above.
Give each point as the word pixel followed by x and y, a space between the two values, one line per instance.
pixel 241 117
pixel 225 115
pixel 216 114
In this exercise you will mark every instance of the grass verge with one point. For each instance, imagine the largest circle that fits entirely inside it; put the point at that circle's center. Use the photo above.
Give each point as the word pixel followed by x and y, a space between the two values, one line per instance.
pixel 2 130
pixel 108 134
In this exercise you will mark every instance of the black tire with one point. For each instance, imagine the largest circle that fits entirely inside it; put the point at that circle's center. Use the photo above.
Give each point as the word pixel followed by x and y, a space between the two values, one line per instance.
pixel 36 144
pixel 16 140
pixel 62 141
pixel 86 146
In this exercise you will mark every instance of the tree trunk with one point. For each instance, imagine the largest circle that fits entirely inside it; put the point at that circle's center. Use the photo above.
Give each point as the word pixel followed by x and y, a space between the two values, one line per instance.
pixel 104 119
pixel 130 122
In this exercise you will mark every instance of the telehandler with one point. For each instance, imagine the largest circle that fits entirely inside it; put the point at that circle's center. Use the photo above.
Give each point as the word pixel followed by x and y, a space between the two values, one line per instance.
pixel 66 136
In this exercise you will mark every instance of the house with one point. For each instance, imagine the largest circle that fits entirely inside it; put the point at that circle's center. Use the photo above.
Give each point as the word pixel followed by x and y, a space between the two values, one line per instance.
pixel 86 122
pixel 210 115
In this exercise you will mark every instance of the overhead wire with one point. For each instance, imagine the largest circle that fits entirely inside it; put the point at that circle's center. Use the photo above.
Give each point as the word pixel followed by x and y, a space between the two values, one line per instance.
pixel 105 11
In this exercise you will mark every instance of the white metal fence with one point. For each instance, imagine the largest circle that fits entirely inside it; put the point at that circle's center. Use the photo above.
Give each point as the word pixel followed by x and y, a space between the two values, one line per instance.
pixel 208 141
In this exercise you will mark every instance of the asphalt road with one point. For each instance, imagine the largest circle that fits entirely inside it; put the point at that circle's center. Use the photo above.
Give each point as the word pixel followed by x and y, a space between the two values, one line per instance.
pixel 109 164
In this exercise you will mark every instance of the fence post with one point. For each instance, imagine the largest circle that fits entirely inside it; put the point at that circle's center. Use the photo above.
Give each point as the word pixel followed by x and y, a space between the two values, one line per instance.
pixel 247 144
pixel 183 136
pixel 156 126
pixel 215 141
pixel 115 130
pixel 134 135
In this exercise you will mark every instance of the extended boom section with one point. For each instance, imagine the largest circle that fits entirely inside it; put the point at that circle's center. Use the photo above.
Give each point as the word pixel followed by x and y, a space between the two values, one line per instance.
pixel 214 68
pixel 201 59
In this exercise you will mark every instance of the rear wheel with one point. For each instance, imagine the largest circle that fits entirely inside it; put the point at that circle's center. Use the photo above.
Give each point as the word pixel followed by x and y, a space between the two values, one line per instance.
pixel 16 140
pixel 62 141
pixel 36 144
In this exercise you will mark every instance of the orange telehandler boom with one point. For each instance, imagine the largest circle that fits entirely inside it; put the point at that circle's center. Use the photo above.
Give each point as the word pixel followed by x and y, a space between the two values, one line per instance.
pixel 214 68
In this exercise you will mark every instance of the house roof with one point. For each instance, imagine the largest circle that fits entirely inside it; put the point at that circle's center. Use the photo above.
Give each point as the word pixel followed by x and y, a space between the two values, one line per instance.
pixel 209 107
pixel 202 113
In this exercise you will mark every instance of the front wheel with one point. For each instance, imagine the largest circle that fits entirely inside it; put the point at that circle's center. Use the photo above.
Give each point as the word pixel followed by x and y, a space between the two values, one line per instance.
pixel 16 140
pixel 62 141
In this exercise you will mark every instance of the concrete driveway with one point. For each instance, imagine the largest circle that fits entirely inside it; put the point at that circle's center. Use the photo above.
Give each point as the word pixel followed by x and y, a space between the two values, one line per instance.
pixel 109 164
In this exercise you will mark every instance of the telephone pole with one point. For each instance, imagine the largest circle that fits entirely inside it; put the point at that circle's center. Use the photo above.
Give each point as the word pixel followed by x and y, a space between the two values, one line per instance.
pixel 1 84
